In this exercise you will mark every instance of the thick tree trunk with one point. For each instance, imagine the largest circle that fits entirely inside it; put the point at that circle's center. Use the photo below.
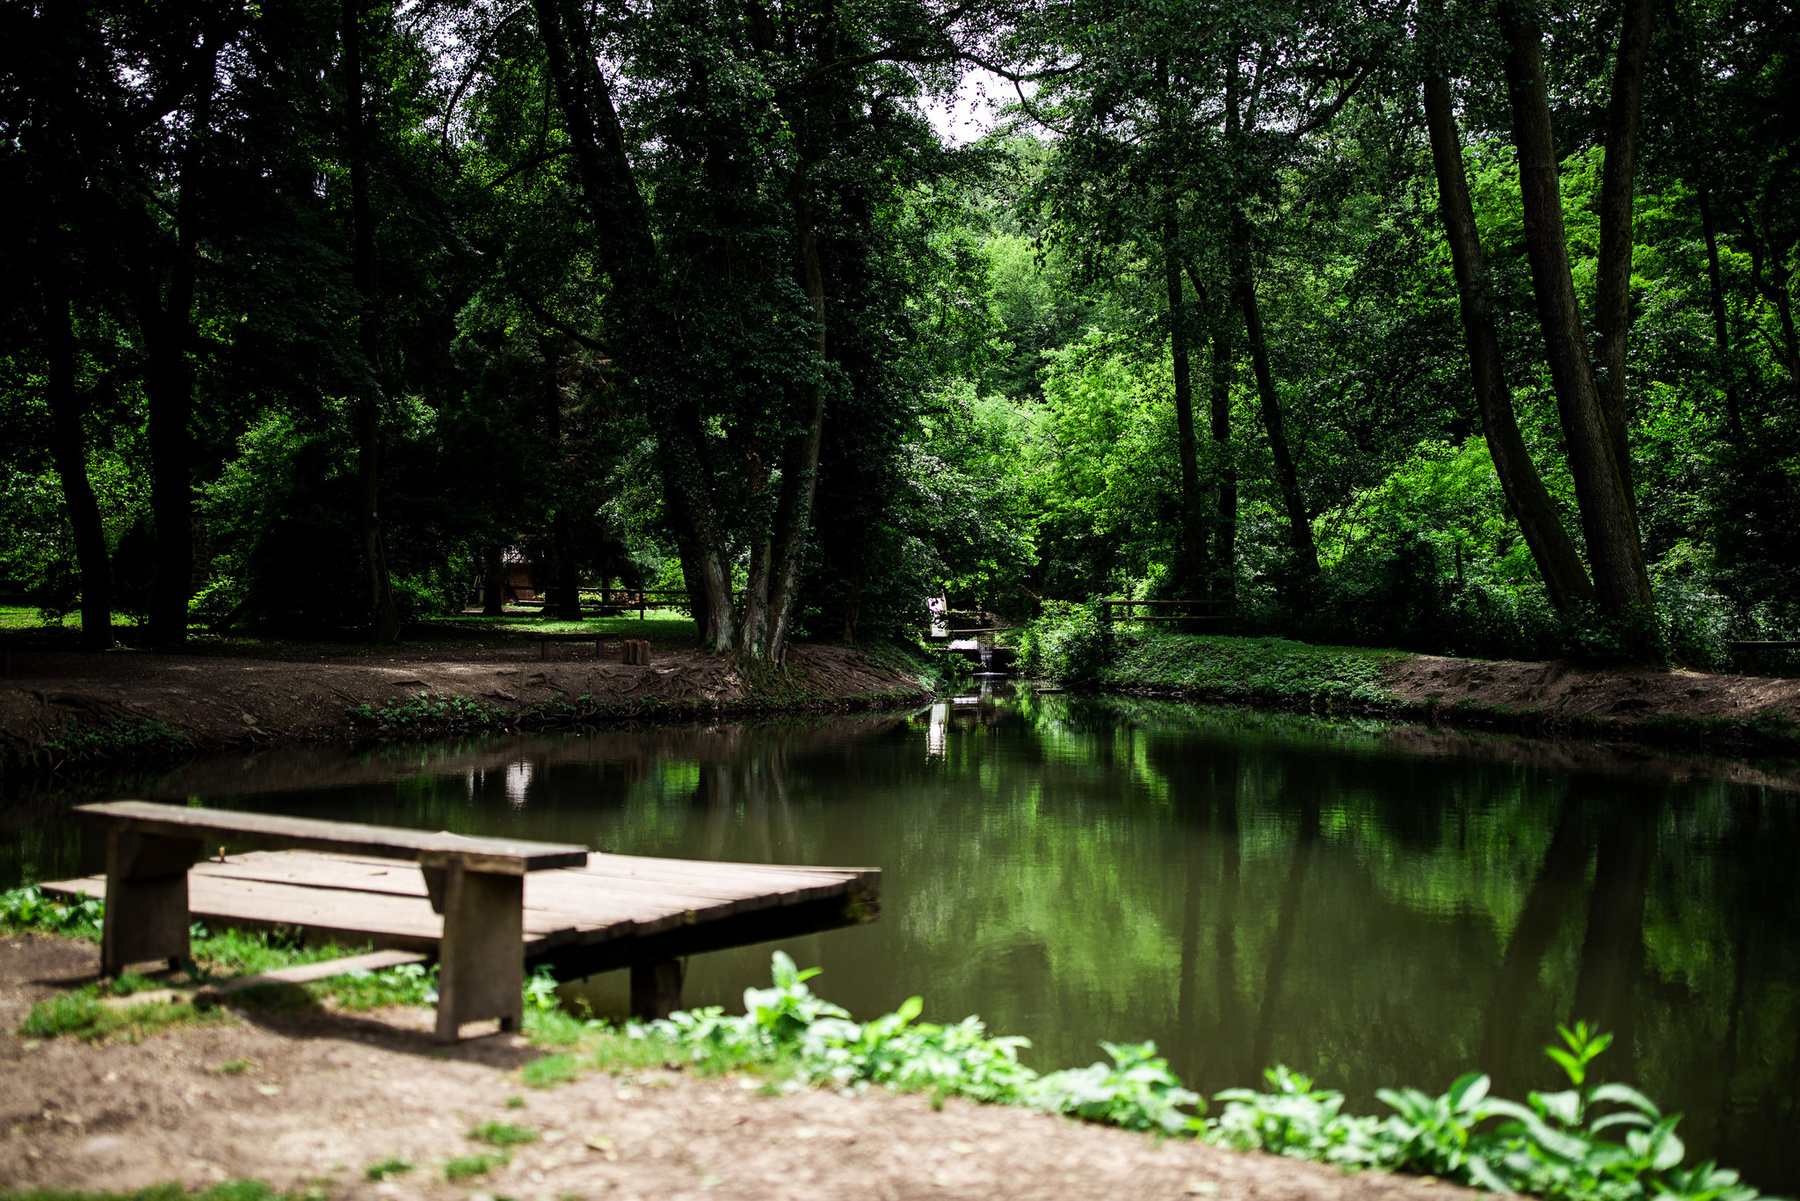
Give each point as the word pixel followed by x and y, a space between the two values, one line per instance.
pixel 1621 585
pixel 1554 551
pixel 167 321
pixel 1612 282
pixel 493 581
pixel 1193 536
pixel 1734 417
pixel 68 443
pixel 800 463
pixel 383 616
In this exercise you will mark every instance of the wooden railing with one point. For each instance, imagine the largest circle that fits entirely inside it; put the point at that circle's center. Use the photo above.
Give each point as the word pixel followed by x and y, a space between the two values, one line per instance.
pixel 641 599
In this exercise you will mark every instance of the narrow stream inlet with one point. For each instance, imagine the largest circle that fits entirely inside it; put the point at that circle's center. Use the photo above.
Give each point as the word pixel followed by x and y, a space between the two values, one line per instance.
pixel 1369 904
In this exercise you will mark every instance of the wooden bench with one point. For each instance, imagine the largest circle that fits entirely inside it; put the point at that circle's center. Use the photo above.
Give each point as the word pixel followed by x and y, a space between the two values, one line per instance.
pixel 477 884
pixel 544 641
pixel 1753 651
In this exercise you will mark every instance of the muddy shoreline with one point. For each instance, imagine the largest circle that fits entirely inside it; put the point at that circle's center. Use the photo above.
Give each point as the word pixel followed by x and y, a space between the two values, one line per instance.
pixel 67 711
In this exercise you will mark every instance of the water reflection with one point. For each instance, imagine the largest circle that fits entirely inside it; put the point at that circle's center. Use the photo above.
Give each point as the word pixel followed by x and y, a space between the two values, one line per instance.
pixel 1367 904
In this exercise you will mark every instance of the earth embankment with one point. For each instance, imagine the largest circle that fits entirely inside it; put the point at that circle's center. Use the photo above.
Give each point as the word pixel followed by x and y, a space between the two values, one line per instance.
pixel 62 706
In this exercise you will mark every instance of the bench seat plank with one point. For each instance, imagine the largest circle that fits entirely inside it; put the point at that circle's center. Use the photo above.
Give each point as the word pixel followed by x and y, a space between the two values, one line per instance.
pixel 501 855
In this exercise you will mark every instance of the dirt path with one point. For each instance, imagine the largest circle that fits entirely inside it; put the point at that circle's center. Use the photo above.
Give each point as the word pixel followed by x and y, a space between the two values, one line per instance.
pixel 325 1095
pixel 214 701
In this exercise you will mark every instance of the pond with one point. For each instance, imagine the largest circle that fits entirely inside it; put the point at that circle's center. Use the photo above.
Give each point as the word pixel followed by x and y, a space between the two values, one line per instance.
pixel 1367 903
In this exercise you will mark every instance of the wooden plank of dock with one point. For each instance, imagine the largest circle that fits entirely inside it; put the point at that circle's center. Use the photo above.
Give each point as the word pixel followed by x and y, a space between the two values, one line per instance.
pixel 615 911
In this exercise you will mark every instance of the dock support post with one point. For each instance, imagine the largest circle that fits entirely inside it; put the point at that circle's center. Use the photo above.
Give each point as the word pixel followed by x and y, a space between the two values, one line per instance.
pixel 655 989
pixel 481 958
pixel 146 899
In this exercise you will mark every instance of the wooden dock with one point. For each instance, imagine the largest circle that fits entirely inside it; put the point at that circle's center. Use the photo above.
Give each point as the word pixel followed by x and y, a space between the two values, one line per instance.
pixel 615 911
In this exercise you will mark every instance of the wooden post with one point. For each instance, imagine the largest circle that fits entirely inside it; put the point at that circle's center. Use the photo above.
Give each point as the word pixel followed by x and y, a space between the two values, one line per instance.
pixel 655 989
pixel 146 899
pixel 481 958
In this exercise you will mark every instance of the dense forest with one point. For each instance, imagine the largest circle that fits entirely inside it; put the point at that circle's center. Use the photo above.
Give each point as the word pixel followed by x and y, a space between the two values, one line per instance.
pixel 1457 325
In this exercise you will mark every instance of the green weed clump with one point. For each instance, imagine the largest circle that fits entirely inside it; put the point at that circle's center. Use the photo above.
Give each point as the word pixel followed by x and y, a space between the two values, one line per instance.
pixel 466 1167
pixel 429 713
pixel 1563 1144
pixel 393 1165
pixel 503 1134
pixel 120 739
pixel 27 910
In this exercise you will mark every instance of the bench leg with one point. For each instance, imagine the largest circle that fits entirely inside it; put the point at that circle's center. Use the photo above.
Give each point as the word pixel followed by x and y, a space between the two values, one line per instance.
pixel 655 989
pixel 481 960
pixel 146 899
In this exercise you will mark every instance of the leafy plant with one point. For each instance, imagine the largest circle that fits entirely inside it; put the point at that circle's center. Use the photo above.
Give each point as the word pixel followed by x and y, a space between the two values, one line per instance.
pixel 27 909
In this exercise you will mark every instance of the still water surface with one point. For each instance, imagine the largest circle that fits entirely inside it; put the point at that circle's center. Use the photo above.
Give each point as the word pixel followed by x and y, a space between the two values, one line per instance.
pixel 1371 905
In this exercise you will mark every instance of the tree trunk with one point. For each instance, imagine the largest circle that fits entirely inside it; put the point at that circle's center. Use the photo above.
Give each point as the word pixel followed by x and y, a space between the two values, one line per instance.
pixel 1224 554
pixel 1621 585
pixel 167 321
pixel 68 443
pixel 383 616
pixel 564 599
pixel 1557 560
pixel 800 463
pixel 1193 537
pixel 1734 417
pixel 1306 554
pixel 1243 280
pixel 493 584
pixel 1612 281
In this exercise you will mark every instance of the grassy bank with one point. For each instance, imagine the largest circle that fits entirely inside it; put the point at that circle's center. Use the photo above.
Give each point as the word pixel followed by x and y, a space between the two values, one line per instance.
pixel 1591 1141
pixel 1623 701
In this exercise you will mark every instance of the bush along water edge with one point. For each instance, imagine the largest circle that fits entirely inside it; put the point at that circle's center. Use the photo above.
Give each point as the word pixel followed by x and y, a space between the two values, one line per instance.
pixel 1592 1141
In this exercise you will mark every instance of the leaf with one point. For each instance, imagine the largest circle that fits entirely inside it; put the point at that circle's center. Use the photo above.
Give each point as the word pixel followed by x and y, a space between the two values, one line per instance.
pixel 1482 1175
pixel 1467 1091
pixel 1564 1106
pixel 1571 1066
pixel 1617 1119
pixel 1666 1147
pixel 1624 1094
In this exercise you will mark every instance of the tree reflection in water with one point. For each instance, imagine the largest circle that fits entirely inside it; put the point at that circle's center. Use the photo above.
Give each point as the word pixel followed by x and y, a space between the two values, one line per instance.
pixel 1369 904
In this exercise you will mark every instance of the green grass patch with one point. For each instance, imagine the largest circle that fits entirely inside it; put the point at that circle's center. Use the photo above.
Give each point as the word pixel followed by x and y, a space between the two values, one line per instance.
pixel 1266 670
pixel 503 1134
pixel 83 1015
pixel 230 1190
pixel 548 1071
pixel 467 1167
pixel 393 1165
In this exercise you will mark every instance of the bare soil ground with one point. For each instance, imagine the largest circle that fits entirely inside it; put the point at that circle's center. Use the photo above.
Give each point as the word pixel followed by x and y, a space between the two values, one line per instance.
pixel 325 1095
pixel 1624 697
pixel 217 701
